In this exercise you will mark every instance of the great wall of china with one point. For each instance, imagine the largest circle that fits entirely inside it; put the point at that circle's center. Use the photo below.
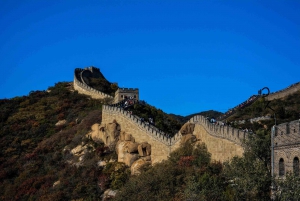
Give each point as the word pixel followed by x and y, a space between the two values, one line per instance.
pixel 83 88
pixel 284 92
pixel 223 142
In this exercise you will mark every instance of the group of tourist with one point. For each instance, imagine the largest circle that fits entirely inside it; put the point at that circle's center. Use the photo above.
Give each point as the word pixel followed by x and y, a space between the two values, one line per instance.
pixel 127 102
pixel 240 106
pixel 150 121
pixel 286 88
pixel 221 123
pixel 151 124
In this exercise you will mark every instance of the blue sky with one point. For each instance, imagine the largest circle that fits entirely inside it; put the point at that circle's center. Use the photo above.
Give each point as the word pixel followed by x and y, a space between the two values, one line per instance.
pixel 184 56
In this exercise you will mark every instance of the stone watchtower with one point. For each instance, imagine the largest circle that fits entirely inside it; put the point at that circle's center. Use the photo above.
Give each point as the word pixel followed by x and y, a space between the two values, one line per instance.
pixel 123 93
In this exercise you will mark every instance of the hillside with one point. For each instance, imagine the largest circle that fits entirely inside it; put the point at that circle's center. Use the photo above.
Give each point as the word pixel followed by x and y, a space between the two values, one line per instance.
pixel 264 113
pixel 38 132
pixel 32 141
pixel 46 155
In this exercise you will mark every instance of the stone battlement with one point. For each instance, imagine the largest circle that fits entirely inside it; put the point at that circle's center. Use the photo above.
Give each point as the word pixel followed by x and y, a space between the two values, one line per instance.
pixel 287 134
pixel 83 88
pixel 128 89
pixel 223 142
pixel 284 92
pixel 225 132
pixel 150 130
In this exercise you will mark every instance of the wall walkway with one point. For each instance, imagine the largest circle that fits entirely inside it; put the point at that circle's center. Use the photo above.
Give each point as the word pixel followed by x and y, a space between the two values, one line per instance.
pixel 83 88
pixel 285 92
pixel 161 145
pixel 223 142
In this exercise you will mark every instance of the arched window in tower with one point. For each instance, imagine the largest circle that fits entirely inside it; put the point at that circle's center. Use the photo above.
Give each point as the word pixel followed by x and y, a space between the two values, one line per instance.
pixel 296 166
pixel 281 167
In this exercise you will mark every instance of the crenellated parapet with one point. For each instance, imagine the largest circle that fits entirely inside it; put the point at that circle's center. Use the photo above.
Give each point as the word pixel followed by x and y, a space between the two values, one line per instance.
pixel 284 92
pixel 147 128
pixel 223 142
pixel 221 131
pixel 161 144
pixel 287 134
pixel 83 88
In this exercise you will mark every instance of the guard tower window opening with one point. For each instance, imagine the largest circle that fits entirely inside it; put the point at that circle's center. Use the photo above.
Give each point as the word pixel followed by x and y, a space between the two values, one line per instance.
pixel 287 129
pixel 296 166
pixel 134 96
pixel 281 167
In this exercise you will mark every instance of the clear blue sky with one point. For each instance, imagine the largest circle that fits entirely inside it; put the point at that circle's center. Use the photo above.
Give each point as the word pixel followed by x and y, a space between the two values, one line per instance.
pixel 184 56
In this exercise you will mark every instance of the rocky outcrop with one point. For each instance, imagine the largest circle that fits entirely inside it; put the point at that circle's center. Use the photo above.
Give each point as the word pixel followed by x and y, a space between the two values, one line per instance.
pixel 130 158
pixel 187 128
pixel 128 150
pixel 189 138
pixel 108 194
pixel 107 133
pixel 79 150
pixel 137 166
pixel 131 147
pixel 61 123
pixel 187 131
pixel 144 149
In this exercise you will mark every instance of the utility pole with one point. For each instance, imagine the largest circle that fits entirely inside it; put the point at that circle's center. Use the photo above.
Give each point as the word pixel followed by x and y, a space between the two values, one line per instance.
pixel 273 131
pixel 272 151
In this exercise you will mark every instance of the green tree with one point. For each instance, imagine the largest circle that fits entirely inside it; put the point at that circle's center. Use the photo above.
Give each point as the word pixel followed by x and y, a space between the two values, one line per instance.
pixel 289 189
pixel 249 176
pixel 188 174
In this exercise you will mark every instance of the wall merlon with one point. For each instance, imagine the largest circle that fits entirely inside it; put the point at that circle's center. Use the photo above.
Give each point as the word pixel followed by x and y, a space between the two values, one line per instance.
pixel 150 130
pixel 221 131
pixel 285 92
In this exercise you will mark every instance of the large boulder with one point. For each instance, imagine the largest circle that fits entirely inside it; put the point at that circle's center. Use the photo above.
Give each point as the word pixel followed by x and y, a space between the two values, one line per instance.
pixel 137 166
pixel 130 158
pixel 107 133
pixel 113 130
pixel 97 133
pixel 109 194
pixel 120 150
pixel 128 137
pixel 187 128
pixel 144 149
pixel 79 150
pixel 122 136
pixel 131 147
pixel 189 138
pixel 61 123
